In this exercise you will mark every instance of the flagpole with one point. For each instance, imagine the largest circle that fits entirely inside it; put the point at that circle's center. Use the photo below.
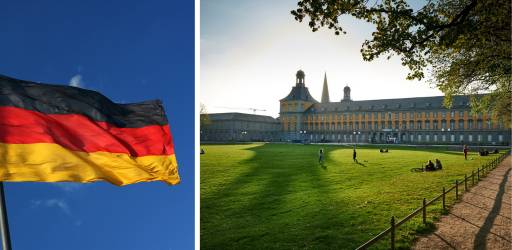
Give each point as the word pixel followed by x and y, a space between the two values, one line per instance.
pixel 4 224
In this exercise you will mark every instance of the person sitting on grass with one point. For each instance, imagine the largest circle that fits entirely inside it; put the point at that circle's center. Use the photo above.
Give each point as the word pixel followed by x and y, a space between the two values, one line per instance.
pixel 438 165
pixel 430 166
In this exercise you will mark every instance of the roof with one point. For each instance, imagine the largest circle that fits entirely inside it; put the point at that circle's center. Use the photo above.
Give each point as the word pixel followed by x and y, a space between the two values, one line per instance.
pixel 299 94
pixel 415 103
pixel 241 117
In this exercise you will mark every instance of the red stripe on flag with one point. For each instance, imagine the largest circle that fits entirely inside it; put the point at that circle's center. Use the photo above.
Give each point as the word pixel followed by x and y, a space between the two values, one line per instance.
pixel 79 133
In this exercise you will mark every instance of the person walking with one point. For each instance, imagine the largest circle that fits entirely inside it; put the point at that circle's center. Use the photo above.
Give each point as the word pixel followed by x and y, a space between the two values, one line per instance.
pixel 466 152
pixel 321 156
pixel 354 155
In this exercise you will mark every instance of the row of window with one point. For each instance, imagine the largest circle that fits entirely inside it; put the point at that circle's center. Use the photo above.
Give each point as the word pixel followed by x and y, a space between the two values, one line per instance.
pixel 411 138
pixel 390 115
pixel 461 124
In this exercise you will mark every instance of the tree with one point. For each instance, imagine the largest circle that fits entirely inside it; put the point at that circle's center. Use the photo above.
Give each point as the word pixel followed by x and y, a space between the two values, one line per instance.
pixel 204 119
pixel 464 45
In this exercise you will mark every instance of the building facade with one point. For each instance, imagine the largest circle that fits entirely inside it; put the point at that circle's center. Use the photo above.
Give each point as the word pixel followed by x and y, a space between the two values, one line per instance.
pixel 240 127
pixel 419 120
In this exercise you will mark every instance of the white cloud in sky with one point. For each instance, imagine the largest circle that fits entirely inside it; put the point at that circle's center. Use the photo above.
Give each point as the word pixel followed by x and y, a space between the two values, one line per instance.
pixel 50 203
pixel 76 81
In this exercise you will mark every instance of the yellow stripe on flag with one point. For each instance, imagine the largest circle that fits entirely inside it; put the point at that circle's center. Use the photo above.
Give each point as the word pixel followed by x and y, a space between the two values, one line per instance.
pixel 47 162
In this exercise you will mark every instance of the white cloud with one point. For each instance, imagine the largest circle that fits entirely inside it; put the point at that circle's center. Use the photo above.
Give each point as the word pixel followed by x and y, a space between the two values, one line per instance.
pixel 76 81
pixel 58 203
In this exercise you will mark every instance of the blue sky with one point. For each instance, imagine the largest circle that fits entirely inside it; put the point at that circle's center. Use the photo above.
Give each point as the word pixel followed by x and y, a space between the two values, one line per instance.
pixel 251 50
pixel 130 51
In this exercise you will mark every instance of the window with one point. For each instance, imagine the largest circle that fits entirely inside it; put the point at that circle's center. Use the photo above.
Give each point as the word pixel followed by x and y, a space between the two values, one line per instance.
pixel 443 124
pixel 470 138
pixel 452 114
pixel 427 124
pixel 435 114
pixel 489 138
pixel 479 138
pixel 452 138
pixel 418 125
pixel 461 137
pixel 452 124
pixel 470 124
pixel 500 138
pixel 427 115
pixel 411 124
pixel 435 138
pixel 489 124
pixel 461 114
pixel 436 125
pixel 461 124
pixel 444 138
pixel 389 124
pixel 419 138
pixel 443 114
pixel 427 138
pixel 412 138
pixel 375 115
pixel 382 125
pixel 389 115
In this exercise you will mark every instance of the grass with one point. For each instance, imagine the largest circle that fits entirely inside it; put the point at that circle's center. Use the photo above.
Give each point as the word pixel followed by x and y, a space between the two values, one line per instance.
pixel 277 196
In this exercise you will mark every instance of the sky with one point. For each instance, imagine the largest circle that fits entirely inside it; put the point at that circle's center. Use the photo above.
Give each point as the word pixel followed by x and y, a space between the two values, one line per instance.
pixel 130 51
pixel 251 50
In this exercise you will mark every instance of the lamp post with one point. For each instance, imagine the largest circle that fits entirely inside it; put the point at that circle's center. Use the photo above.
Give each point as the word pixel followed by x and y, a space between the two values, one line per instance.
pixel 302 135
pixel 356 134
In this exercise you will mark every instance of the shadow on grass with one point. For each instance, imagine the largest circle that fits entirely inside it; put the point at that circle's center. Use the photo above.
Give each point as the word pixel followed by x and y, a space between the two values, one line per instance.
pixel 276 205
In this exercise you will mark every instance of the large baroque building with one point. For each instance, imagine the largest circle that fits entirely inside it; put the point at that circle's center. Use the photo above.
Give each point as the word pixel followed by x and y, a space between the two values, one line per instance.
pixel 417 120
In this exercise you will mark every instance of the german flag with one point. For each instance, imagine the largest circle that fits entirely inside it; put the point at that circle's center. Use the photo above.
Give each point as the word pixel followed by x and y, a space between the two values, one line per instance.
pixel 52 133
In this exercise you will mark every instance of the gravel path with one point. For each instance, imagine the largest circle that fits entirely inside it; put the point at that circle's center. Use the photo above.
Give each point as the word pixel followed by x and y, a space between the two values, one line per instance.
pixel 481 220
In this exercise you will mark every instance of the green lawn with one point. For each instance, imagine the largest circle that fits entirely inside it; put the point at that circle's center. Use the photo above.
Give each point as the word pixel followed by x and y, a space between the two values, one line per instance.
pixel 277 196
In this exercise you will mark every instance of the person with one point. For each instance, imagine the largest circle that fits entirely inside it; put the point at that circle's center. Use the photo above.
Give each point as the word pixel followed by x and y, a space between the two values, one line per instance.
pixel 354 155
pixel 429 166
pixel 466 152
pixel 321 156
pixel 202 151
pixel 438 165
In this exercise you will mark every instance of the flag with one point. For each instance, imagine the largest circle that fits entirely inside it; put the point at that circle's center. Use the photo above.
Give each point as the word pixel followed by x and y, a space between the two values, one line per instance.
pixel 52 133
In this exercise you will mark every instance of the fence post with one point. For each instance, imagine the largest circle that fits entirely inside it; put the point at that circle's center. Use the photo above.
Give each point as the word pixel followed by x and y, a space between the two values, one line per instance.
pixel 456 189
pixel 473 178
pixel 424 211
pixel 392 232
pixel 444 199
pixel 478 174
pixel 465 182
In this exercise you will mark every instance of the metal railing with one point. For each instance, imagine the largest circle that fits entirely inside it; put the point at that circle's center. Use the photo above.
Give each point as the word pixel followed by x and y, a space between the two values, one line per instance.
pixel 481 171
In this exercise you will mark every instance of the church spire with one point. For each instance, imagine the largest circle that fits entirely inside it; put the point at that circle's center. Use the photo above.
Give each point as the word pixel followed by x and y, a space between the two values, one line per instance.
pixel 325 91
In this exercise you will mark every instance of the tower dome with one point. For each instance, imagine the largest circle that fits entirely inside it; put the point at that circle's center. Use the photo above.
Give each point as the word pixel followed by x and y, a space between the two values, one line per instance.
pixel 346 93
pixel 300 82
